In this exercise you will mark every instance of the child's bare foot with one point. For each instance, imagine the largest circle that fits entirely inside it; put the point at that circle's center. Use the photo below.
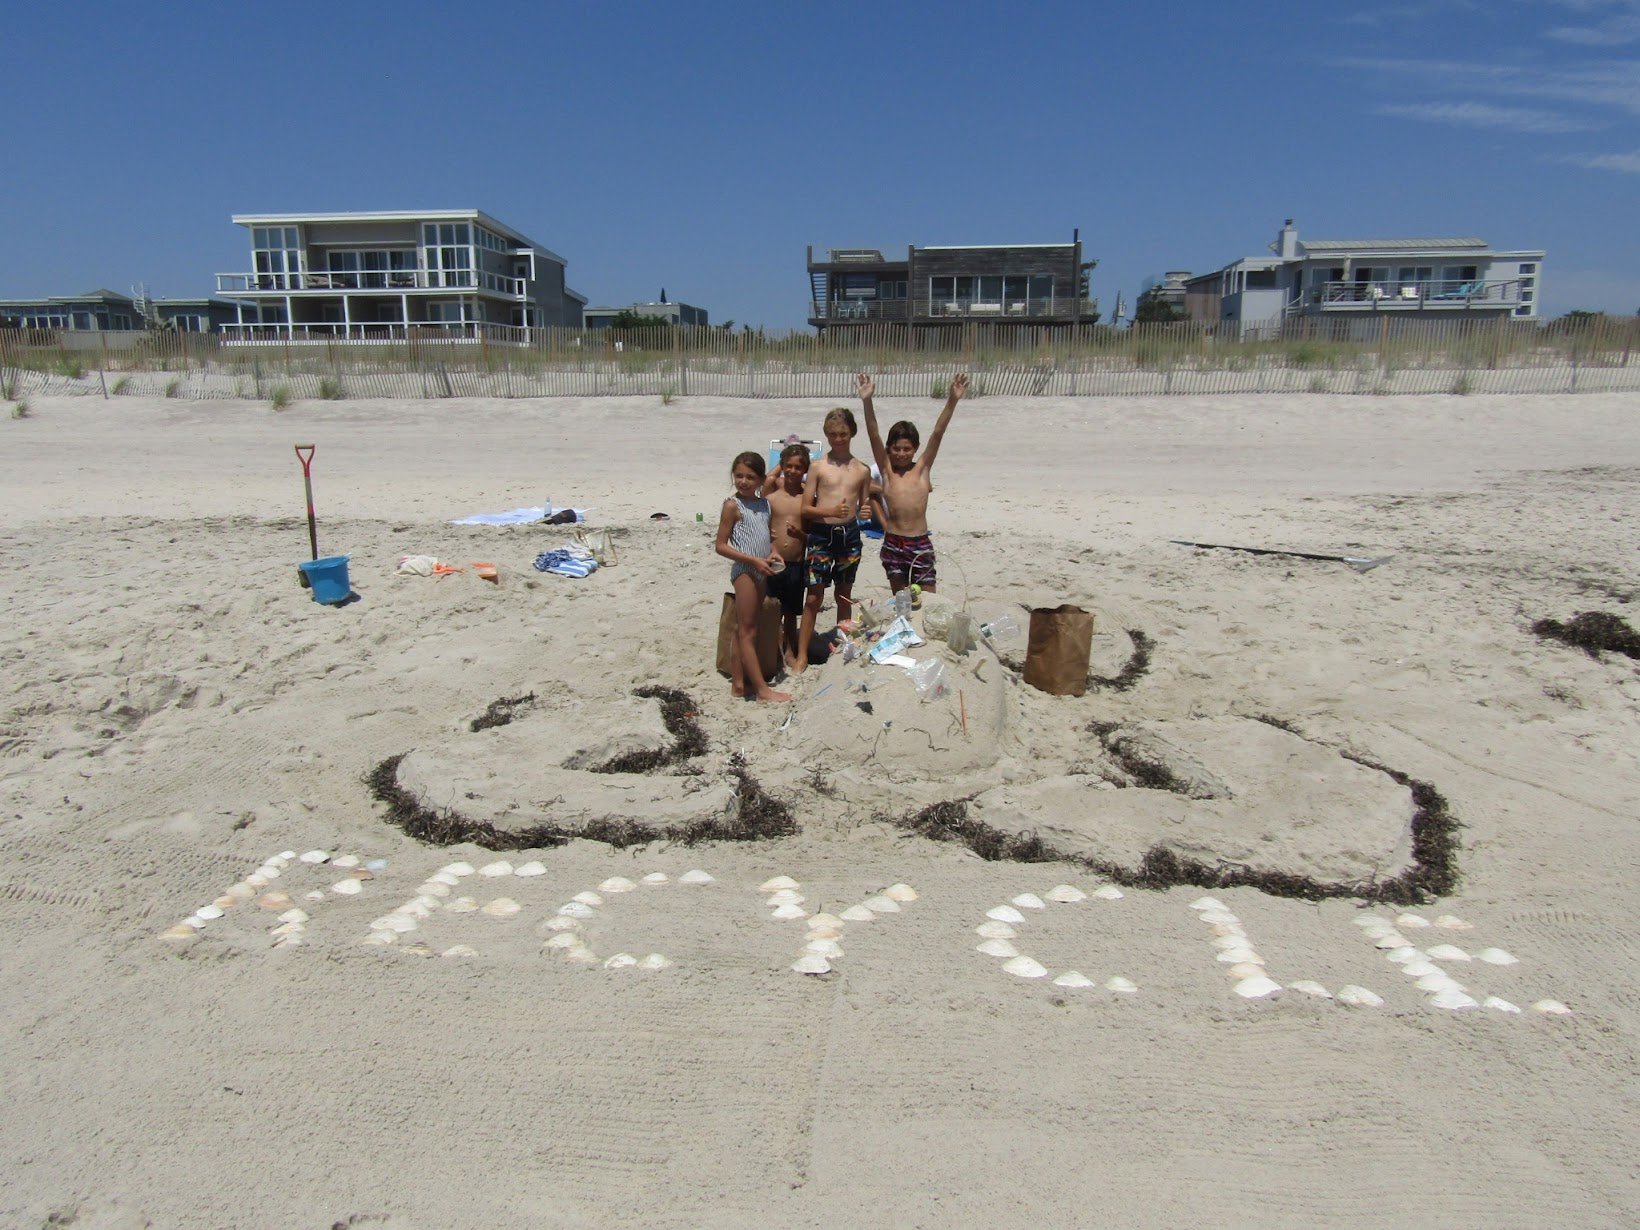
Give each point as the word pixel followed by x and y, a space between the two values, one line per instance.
pixel 738 692
pixel 771 696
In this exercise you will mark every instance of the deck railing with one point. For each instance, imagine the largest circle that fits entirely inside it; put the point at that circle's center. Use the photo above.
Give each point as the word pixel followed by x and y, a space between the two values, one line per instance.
pixel 859 309
pixel 1413 295
pixel 368 279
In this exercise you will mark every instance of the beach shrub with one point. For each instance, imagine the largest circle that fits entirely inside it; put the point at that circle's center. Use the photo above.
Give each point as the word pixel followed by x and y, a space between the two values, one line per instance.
pixel 171 387
pixel 8 386
pixel 280 397
pixel 330 389
pixel 21 410
pixel 668 395
pixel 1464 385
pixel 70 366
pixel 121 385
pixel 1318 384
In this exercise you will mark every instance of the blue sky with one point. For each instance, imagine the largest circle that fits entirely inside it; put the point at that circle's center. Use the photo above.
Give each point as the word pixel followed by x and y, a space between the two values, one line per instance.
pixel 701 147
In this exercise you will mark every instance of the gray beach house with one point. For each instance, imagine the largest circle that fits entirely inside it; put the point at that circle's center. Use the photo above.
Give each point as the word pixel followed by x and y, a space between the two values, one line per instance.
pixel 381 276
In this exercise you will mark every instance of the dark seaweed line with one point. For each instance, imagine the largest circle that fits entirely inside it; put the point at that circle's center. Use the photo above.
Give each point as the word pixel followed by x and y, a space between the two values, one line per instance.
pixel 1434 872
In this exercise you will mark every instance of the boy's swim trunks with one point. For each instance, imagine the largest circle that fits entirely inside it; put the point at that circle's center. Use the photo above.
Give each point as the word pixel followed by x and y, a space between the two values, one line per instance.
pixel 832 554
pixel 909 559
pixel 787 586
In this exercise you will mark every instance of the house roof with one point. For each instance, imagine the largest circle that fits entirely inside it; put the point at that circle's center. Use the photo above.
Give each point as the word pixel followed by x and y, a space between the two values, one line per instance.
pixel 402 215
pixel 1327 246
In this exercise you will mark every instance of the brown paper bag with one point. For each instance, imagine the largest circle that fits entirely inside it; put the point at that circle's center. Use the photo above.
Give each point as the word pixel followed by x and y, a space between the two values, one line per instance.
pixel 768 637
pixel 1056 656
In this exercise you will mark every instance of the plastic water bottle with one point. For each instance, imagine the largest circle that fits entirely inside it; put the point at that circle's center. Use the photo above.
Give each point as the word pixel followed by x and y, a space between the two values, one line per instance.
pixel 902 602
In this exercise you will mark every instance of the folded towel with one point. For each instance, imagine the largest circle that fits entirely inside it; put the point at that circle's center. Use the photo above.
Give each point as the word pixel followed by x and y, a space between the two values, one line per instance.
pixel 518 516
pixel 567 562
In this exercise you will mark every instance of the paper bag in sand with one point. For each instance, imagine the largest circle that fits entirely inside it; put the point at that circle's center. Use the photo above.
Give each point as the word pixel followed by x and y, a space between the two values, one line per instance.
pixel 768 636
pixel 1056 656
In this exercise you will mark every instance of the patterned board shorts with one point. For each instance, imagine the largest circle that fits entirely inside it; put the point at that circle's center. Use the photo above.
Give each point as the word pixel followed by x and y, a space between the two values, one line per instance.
pixel 909 559
pixel 833 554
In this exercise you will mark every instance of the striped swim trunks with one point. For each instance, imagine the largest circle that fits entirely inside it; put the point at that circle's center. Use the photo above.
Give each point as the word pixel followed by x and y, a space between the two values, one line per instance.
pixel 909 559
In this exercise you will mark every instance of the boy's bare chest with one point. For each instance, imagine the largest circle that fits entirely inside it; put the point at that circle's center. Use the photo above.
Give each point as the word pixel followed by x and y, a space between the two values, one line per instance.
pixel 831 477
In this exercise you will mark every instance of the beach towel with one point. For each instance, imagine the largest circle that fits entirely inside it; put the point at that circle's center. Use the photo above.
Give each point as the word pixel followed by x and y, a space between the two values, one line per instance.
pixel 567 562
pixel 518 516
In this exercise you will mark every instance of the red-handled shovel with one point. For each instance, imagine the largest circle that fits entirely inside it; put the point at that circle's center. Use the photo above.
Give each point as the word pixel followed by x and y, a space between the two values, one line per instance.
pixel 306 458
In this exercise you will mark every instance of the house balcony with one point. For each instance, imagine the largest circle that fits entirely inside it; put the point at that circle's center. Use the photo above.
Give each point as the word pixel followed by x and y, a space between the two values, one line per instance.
pixel 1439 295
pixel 857 310
pixel 331 281
pixel 420 331
pixel 1010 309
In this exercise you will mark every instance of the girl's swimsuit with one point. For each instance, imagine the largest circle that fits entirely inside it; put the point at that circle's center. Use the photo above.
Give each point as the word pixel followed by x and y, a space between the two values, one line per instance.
pixel 750 535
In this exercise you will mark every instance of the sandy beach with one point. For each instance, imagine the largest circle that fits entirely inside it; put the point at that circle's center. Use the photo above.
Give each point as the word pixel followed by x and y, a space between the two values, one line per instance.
pixel 177 716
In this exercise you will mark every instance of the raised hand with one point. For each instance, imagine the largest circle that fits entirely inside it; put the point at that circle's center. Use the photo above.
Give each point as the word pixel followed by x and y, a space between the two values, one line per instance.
pixel 866 385
pixel 959 386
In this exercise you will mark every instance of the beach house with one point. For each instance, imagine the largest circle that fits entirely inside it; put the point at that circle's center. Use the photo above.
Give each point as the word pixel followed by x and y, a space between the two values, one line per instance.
pixel 379 276
pixel 672 312
pixel 1355 284
pixel 108 311
pixel 1008 285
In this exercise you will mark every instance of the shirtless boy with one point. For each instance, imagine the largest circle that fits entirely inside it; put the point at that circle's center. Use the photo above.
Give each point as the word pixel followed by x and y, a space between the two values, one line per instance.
pixel 784 490
pixel 832 494
pixel 908 553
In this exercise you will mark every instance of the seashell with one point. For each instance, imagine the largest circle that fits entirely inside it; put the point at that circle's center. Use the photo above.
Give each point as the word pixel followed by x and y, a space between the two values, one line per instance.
pixel 345 860
pixel 461 905
pixel 207 913
pixel 1496 956
pixel 1023 967
pixel 380 938
pixel 532 868
pixel 376 864
pixel 1453 923
pixel 459 950
pixel 902 893
pixel 417 950
pixel 617 884
pixel 778 883
pixel 1224 929
pixel 1208 903
pixel 1245 969
pixel 1120 985
pixel 179 932
pixel 881 905
pixel 243 891
pixel 315 895
pixel 1109 893
pixel 1411 921
pixel 285 856
pixel 857 913
pixel 257 880
pixel 830 949
pixel 445 878
pixel 394 922
pixel 997 948
pixel 359 873
pixel 300 916
pixel 786 896
pixel 564 939
pixel 656 877
pixel 824 933
pixel 347 887
pixel 588 898
pixel 694 877
pixel 291 928
pixel 267 872
pixel 621 960
pixel 1310 988
pixel 1419 968
pixel 576 909
pixel 225 902
pixel 1071 977
pixel 1221 942
pixel 1002 913
pixel 1453 999
pixel 501 867
pixel 581 956
pixel 1502 1005
pixel 1393 940
pixel 1235 956
pixel 786 913
pixel 1438 982
pixel 461 870
pixel 275 901
pixel 1068 894
pixel 1358 997
pixel 502 907
pixel 1402 956
pixel 414 909
pixel 995 931
pixel 1446 952
pixel 557 923
pixel 1030 901
pixel 316 857
pixel 654 961
pixel 1370 920
pixel 1257 988
pixel 289 941
pixel 1378 932
pixel 811 963
pixel 433 889
pixel 1218 916
pixel 1552 1006
pixel 825 920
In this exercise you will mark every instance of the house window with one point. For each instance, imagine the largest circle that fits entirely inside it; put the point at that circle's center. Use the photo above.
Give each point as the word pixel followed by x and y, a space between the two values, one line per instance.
pixel 991 294
pixel 1261 279
pixel 449 253
pixel 277 254
pixel 1532 268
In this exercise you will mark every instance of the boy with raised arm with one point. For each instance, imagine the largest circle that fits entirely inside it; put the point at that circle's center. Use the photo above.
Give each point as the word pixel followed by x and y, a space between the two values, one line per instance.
pixel 908 553
pixel 837 485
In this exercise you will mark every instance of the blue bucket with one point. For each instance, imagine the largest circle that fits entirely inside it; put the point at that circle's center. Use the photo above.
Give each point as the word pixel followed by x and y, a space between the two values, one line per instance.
pixel 328 577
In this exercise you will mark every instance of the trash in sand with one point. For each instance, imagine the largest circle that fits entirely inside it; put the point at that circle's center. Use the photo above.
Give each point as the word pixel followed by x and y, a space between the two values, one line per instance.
pixel 418 565
pixel 1360 563
pixel 1002 625
pixel 897 636
pixel 931 678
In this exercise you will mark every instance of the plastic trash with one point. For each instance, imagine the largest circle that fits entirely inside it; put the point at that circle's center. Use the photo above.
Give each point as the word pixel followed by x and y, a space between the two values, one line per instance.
pixel 932 680
pixel 963 636
pixel 1002 625
pixel 902 602
pixel 936 620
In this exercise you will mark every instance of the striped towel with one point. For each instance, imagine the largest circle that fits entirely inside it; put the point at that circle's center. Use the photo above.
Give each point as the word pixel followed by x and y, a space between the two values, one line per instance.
pixel 567 562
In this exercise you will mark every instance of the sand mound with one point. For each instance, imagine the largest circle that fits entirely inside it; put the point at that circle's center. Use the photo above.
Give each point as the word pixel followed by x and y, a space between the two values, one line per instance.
pixel 1277 803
